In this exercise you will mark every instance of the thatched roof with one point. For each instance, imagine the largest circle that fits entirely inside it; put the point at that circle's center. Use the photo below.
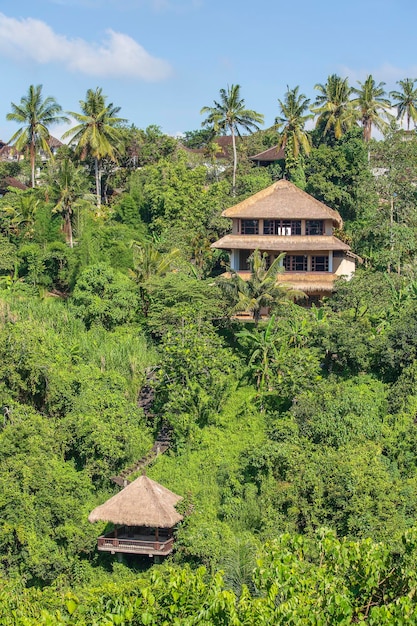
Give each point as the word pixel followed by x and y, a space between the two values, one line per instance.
pixel 143 502
pixel 309 282
pixel 283 200
pixel 272 154
pixel 297 243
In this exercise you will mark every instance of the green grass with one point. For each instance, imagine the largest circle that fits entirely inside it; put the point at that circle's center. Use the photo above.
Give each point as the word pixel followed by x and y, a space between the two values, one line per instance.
pixel 195 469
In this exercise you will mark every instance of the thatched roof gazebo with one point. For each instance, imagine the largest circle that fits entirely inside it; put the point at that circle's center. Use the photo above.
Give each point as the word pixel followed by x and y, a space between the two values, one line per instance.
pixel 144 516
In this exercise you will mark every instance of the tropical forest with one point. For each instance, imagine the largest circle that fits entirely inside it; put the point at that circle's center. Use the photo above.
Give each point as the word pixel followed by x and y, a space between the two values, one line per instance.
pixel 290 438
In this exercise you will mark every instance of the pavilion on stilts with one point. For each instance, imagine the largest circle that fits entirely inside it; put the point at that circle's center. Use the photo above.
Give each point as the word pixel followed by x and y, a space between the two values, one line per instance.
pixel 143 515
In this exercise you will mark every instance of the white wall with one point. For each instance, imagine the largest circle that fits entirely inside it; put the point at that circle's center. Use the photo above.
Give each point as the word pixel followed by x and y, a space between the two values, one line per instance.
pixel 344 266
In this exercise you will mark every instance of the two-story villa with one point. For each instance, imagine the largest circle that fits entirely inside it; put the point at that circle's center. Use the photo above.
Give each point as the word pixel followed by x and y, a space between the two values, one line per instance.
pixel 283 218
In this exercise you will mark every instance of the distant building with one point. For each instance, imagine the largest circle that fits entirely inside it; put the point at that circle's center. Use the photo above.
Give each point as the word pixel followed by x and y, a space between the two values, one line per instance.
pixel 224 144
pixel 283 218
pixel 8 153
pixel 269 156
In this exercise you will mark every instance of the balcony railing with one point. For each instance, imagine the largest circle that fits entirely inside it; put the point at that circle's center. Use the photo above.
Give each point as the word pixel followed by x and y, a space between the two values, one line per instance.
pixel 135 546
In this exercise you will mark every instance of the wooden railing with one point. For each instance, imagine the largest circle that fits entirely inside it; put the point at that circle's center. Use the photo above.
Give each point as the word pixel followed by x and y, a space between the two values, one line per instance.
pixel 135 546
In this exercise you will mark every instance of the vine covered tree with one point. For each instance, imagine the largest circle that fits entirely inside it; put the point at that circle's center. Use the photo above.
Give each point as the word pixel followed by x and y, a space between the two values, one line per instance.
pixel 97 133
pixel 405 100
pixel 229 115
pixel 372 106
pixel 35 114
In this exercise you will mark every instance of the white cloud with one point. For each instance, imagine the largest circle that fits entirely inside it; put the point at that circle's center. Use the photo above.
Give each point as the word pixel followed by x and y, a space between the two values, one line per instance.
pixel 118 55
pixel 386 73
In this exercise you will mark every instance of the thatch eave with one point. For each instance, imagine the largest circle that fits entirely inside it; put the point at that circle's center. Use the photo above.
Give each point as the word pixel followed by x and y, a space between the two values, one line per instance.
pixel 297 243
pixel 142 502
pixel 283 200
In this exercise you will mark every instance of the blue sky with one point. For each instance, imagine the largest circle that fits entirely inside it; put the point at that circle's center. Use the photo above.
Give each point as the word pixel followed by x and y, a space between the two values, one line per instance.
pixel 161 61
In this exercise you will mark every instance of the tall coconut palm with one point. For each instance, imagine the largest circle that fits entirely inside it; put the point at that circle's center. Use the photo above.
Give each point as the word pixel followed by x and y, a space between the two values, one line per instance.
pixel 36 115
pixel 229 115
pixel 334 107
pixel 98 133
pixel 293 138
pixel 68 188
pixel 405 101
pixel 372 106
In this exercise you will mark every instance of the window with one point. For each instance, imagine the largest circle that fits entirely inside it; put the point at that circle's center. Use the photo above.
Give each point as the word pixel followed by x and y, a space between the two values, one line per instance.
pixel 295 263
pixel 269 227
pixel 314 227
pixel 284 228
pixel 244 259
pixel 296 227
pixel 249 227
pixel 319 263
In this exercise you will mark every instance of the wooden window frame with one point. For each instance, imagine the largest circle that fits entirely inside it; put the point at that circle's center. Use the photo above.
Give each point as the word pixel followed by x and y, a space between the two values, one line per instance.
pixel 324 263
pixel 295 263
pixel 244 227
pixel 315 227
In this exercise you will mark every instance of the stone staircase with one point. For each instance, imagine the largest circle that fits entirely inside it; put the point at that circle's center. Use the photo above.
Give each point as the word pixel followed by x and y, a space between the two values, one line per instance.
pixel 161 445
pixel 163 438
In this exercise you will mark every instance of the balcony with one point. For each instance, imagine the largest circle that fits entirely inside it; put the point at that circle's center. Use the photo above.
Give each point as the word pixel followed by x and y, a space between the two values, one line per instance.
pixel 136 543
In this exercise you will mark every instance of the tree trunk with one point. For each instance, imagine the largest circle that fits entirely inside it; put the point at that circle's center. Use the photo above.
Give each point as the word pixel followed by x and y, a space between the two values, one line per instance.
pixel 98 181
pixel 68 229
pixel 32 162
pixel 367 130
pixel 234 162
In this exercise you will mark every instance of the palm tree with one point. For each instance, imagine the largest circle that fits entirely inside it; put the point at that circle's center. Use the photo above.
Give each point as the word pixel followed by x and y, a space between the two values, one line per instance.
pixel 262 345
pixel 262 289
pixel 372 106
pixel 97 133
pixel 18 213
pixel 293 138
pixel 229 115
pixel 149 262
pixel 406 100
pixel 36 115
pixel 68 188
pixel 334 107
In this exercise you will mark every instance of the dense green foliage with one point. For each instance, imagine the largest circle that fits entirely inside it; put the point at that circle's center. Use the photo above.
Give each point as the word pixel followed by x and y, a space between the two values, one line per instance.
pixel 293 438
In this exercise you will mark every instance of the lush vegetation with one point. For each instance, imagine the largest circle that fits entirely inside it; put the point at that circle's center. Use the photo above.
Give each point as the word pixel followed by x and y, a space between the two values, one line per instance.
pixel 293 438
